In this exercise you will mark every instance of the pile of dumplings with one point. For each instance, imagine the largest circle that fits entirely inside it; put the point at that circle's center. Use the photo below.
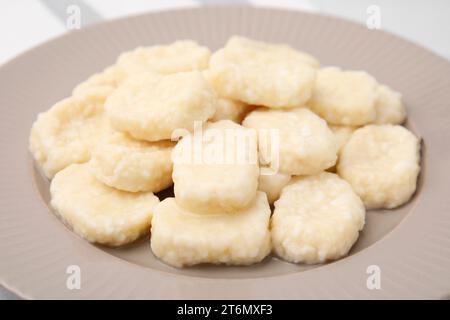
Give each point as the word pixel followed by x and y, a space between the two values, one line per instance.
pixel 131 131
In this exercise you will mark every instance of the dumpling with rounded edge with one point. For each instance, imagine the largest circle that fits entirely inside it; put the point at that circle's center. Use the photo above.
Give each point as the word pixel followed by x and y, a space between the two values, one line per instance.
pixel 66 133
pixel 344 97
pixel 100 85
pixel 272 184
pixel 179 56
pixel 262 74
pixel 269 51
pixel 382 163
pixel 295 141
pixel 97 212
pixel 149 106
pixel 216 169
pixel 228 109
pixel 132 165
pixel 316 219
pixel 183 238
pixel 231 110
pixel 342 134
pixel 389 106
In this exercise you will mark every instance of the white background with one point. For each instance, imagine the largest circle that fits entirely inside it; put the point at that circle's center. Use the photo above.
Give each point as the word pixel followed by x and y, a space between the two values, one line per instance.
pixel 26 23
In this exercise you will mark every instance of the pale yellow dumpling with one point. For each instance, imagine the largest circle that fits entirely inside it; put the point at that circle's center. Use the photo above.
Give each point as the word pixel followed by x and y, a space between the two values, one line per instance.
pixel 149 106
pixel 317 219
pixel 382 163
pixel 231 110
pixel 100 85
pixel 183 238
pixel 218 170
pixel 389 106
pixel 272 184
pixel 344 97
pixel 97 212
pixel 294 141
pixel 262 74
pixel 132 165
pixel 179 56
pixel 66 133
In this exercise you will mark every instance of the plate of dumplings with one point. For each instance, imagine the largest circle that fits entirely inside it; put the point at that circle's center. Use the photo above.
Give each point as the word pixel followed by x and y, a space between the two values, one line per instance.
pixel 189 154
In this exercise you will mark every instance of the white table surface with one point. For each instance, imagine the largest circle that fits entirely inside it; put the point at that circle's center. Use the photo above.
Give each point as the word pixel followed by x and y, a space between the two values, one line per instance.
pixel 27 23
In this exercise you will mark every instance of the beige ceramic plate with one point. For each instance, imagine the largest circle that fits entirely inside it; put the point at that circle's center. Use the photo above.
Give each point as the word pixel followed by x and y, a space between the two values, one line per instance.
pixel 410 245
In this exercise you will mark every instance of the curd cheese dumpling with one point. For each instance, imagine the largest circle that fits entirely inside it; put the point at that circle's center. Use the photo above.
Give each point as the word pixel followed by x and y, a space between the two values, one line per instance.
pixel 100 85
pixel 344 97
pixel 183 238
pixel 231 110
pixel 262 74
pixel 66 133
pixel 270 51
pixel 381 162
pixel 295 141
pixel 272 185
pixel 132 165
pixel 342 134
pixel 150 107
pixel 316 219
pixel 389 106
pixel 228 109
pixel 97 212
pixel 216 170
pixel 180 56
